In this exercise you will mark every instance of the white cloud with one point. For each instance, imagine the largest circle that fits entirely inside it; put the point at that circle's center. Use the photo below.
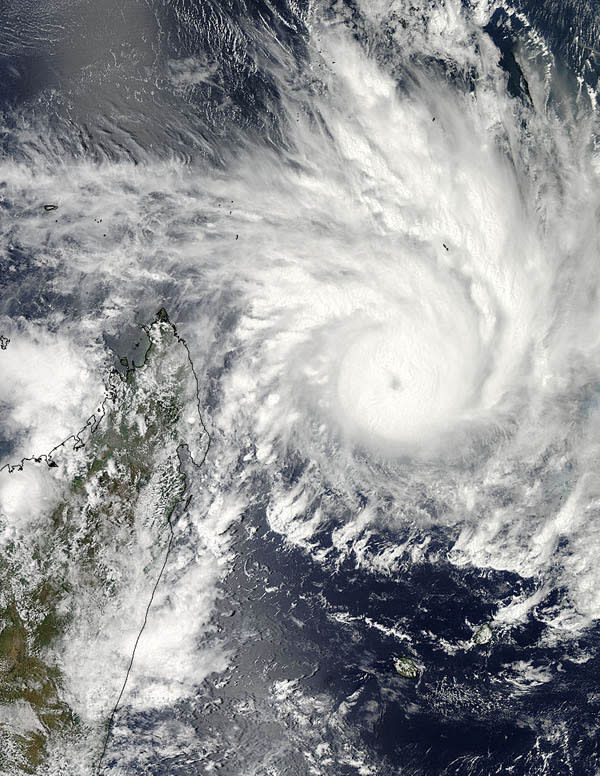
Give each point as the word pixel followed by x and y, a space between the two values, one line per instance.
pixel 50 386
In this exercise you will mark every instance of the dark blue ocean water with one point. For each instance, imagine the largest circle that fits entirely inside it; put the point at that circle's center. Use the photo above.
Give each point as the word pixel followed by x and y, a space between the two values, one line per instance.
pixel 95 75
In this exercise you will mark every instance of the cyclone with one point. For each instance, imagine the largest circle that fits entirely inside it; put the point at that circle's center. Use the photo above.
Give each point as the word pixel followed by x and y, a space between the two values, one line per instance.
pixel 352 247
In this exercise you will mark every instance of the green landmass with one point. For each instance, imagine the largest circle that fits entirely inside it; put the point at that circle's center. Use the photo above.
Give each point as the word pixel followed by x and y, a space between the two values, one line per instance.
pixel 127 478
pixel 406 667
pixel 483 635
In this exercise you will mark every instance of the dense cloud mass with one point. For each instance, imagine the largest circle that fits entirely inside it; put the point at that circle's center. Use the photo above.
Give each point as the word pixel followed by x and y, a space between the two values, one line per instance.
pixel 375 228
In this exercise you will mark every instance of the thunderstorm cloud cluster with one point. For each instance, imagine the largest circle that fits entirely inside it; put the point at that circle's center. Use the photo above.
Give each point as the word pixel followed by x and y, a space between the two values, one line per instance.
pixel 383 267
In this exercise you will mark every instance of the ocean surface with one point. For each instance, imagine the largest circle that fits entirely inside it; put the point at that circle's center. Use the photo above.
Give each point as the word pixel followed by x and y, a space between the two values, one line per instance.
pixel 299 383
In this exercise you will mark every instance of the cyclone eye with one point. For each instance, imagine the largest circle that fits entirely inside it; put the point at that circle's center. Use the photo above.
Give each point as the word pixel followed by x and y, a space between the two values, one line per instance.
pixel 407 382
pixel 395 383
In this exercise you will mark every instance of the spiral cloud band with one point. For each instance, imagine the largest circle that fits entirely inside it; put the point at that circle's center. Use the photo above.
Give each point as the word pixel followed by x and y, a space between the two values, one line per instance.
pixel 389 293
pixel 404 282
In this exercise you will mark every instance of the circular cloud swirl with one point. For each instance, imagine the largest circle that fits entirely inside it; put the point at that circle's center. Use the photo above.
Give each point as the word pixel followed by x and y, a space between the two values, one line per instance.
pixel 405 304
